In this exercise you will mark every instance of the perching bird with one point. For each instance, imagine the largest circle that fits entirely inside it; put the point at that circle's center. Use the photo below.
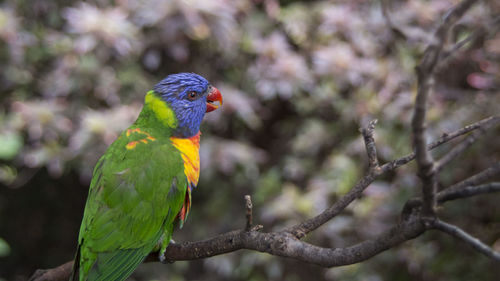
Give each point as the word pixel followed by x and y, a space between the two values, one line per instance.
pixel 141 187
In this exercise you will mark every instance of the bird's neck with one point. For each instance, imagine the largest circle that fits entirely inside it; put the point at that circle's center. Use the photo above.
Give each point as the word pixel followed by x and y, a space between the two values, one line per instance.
pixel 158 111
pixel 155 110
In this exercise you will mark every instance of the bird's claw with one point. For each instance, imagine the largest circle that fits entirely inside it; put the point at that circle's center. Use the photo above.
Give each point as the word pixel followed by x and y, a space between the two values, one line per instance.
pixel 162 257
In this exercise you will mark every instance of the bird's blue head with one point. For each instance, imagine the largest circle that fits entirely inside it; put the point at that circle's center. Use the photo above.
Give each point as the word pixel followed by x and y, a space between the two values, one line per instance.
pixel 190 96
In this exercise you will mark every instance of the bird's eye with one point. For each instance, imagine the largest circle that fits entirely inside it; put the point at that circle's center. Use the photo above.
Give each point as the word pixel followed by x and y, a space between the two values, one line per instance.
pixel 192 95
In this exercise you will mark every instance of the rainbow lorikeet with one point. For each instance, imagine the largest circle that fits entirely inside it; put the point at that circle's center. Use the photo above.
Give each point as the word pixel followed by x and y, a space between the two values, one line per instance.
pixel 141 187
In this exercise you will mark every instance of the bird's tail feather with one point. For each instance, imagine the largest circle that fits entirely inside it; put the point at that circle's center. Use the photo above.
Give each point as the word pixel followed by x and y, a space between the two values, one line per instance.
pixel 75 275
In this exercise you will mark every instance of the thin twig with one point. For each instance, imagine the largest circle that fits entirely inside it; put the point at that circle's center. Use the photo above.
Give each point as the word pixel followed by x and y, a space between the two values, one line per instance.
pixel 478 33
pixel 371 149
pixel 485 123
pixel 448 54
pixel 456 232
pixel 388 19
pixel 249 216
pixel 457 150
pixel 478 178
pixel 446 137
pixel 407 33
pixel 456 189
pixel 303 228
pixel 468 191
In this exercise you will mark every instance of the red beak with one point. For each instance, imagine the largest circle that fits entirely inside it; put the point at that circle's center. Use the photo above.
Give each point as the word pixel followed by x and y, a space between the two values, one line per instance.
pixel 213 97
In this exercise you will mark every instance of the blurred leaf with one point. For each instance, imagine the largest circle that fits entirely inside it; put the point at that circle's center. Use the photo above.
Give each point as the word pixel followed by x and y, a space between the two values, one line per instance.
pixel 7 174
pixel 4 248
pixel 268 185
pixel 10 144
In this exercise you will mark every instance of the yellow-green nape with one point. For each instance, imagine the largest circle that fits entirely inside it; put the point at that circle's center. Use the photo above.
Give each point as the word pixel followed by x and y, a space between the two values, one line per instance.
pixel 160 108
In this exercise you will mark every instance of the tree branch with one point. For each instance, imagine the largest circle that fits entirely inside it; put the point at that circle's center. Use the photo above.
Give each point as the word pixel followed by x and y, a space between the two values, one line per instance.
pixel 468 191
pixel 425 79
pixel 286 245
pixel 276 243
pixel 60 273
pixel 472 241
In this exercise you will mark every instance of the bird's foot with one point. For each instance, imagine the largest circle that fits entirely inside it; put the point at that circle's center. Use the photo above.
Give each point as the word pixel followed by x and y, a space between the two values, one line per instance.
pixel 161 255
pixel 162 258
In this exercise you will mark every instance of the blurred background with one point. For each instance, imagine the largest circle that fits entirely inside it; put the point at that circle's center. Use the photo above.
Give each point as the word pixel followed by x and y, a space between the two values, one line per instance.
pixel 298 77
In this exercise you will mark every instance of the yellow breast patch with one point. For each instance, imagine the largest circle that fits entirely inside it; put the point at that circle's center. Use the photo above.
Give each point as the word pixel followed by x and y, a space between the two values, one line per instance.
pixel 189 148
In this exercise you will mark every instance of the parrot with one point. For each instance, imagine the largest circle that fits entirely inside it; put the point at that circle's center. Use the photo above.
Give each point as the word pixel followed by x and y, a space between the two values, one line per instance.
pixel 141 186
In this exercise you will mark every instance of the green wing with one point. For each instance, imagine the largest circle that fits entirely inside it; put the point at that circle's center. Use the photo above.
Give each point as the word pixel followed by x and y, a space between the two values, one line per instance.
pixel 135 194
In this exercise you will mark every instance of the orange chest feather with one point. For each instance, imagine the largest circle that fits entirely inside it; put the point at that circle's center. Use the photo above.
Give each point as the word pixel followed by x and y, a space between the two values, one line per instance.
pixel 189 149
